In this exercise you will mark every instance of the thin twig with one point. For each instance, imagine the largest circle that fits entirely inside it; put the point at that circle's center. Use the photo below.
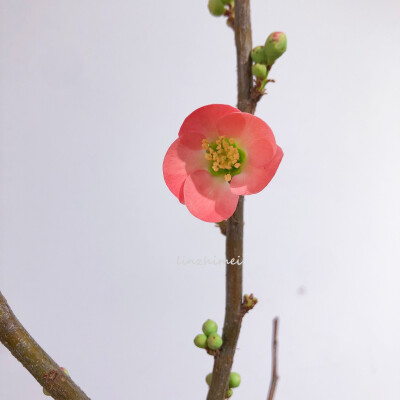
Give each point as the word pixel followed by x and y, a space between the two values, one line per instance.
pixel 274 374
pixel 234 226
pixel 24 348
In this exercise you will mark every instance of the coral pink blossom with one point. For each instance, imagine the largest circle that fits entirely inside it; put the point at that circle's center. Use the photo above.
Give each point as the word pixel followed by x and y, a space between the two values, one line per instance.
pixel 221 154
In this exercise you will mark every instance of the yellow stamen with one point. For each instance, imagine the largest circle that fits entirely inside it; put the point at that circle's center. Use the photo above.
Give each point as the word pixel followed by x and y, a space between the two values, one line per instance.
pixel 224 155
pixel 228 177
pixel 204 144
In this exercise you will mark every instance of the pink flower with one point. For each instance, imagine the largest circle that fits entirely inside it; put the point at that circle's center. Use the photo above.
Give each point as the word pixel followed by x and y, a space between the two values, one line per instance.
pixel 221 153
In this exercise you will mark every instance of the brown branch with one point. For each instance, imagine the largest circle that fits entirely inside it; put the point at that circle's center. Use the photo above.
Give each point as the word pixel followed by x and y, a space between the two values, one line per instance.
pixel 24 348
pixel 244 46
pixel 234 226
pixel 274 374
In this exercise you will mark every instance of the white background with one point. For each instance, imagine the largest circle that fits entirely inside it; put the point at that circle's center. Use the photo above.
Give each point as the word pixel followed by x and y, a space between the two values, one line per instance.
pixel 93 92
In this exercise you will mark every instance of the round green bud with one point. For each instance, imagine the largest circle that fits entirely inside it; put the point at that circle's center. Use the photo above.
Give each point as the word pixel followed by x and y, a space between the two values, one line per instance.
pixel 275 46
pixel 210 327
pixel 214 341
pixel 234 380
pixel 259 70
pixel 258 55
pixel 209 378
pixel 216 7
pixel 201 341
pixel 228 393
pixel 45 392
pixel 226 2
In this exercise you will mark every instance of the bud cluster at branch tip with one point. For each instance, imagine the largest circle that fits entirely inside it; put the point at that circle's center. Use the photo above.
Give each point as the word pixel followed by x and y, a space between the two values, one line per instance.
pixel 265 56
pixel 223 7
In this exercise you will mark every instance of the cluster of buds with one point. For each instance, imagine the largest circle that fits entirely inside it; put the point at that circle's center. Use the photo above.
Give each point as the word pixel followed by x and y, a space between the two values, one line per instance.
pixel 265 56
pixel 209 339
pixel 223 7
pixel 249 302
pixel 234 382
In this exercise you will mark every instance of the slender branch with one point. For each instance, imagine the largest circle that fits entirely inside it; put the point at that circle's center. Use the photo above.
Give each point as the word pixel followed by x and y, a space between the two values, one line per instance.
pixel 234 226
pixel 24 348
pixel 274 374
pixel 244 46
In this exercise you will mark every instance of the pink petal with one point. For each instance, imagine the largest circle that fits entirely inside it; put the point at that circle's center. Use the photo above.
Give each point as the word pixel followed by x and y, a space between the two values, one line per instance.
pixel 202 124
pixel 252 135
pixel 209 198
pixel 178 163
pixel 253 178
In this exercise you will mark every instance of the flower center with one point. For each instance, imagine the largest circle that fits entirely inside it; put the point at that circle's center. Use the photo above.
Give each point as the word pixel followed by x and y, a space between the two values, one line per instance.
pixel 224 156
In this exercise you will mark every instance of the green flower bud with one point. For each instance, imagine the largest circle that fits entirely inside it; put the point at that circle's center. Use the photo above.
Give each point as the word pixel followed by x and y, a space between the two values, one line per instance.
pixel 216 7
pixel 201 341
pixel 226 2
pixel 234 380
pixel 214 341
pixel 45 392
pixel 275 46
pixel 258 55
pixel 210 327
pixel 259 71
pixel 209 378
pixel 228 393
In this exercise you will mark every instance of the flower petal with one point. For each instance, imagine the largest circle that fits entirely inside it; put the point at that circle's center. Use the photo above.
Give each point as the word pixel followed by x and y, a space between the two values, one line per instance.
pixel 202 124
pixel 253 178
pixel 252 134
pixel 209 198
pixel 178 163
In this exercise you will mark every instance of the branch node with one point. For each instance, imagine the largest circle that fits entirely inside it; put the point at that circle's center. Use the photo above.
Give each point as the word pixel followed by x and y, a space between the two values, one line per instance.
pixel 213 353
pixel 222 226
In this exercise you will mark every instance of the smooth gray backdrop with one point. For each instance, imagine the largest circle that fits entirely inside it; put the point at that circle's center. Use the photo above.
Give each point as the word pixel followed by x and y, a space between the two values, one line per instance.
pixel 93 92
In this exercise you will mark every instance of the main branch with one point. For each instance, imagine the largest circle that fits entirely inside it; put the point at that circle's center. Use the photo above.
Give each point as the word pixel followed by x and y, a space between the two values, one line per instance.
pixel 234 226
pixel 24 348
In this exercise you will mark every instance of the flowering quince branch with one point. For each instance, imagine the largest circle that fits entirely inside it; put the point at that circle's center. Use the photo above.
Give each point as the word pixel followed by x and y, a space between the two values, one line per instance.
pixel 274 374
pixel 54 379
pixel 222 154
